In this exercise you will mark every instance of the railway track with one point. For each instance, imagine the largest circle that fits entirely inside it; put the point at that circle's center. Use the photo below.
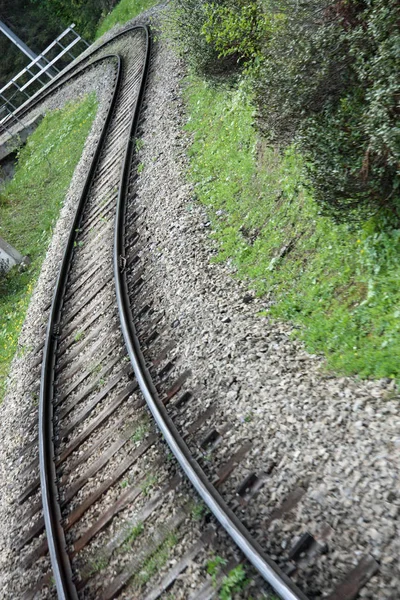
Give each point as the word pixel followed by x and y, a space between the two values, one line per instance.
pixel 102 476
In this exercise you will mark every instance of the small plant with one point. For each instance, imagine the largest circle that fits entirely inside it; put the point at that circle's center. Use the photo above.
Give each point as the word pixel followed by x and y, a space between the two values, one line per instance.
pixel 97 564
pixel 139 143
pixel 214 565
pixel 198 510
pixel 95 369
pixel 124 483
pixel 140 167
pixel 140 432
pixel 156 560
pixel 233 583
pixel 135 532
pixel 79 335
pixel 148 484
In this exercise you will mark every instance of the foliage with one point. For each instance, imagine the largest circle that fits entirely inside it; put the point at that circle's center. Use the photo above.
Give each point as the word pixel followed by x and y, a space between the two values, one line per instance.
pixel 336 283
pixel 234 582
pixel 330 77
pixel 30 206
pixel 84 13
pixel 185 27
pixel 324 74
pixel 123 12
pixel 237 29
pixel 216 37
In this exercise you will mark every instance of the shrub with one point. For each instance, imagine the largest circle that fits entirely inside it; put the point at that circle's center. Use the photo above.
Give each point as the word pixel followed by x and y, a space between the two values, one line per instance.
pixel 329 78
pixel 324 74
pixel 221 36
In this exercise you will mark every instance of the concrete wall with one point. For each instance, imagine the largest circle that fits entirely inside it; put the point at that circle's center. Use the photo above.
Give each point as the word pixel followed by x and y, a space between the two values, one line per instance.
pixel 8 256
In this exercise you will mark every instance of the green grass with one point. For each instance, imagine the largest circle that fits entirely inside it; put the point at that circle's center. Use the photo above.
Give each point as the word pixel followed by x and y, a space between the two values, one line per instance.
pixel 29 206
pixel 123 12
pixel 338 285
pixel 155 562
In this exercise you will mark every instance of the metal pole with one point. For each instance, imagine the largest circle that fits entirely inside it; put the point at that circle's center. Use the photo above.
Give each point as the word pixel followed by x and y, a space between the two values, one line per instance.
pixel 23 47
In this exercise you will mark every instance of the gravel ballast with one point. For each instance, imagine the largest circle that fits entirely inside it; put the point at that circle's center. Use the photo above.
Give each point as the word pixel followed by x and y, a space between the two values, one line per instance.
pixel 336 437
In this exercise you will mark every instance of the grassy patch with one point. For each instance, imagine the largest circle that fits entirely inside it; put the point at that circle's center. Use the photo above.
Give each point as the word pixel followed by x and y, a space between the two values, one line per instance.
pixel 154 562
pixel 29 207
pixel 123 12
pixel 338 285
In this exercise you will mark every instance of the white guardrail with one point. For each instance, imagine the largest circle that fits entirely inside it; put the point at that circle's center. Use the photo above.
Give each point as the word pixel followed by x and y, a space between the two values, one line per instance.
pixel 40 70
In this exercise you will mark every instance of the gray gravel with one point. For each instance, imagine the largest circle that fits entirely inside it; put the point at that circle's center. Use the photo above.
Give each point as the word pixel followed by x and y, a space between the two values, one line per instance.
pixel 337 437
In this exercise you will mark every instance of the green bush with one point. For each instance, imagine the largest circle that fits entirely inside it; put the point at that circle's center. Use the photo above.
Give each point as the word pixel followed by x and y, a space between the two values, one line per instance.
pixel 219 37
pixel 86 14
pixel 325 75
pixel 330 78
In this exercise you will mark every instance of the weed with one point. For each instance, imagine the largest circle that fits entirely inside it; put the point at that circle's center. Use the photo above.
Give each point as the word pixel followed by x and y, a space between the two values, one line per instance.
pixel 140 432
pixel 97 564
pixel 124 484
pixel 95 369
pixel 198 510
pixel 156 560
pixel 214 565
pixel 233 583
pixel 139 143
pixel 30 205
pixel 79 335
pixel 135 532
pixel 140 168
pixel 148 484
pixel 131 535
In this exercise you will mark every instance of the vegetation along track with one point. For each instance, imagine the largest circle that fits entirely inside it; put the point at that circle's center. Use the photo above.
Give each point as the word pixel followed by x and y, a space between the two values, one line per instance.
pixel 94 438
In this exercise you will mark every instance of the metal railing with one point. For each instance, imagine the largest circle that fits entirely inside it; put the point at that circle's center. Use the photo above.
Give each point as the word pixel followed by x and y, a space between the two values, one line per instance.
pixel 34 76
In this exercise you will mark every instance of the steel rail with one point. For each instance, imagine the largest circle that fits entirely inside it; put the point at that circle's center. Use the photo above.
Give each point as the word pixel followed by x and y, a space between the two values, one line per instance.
pixel 48 478
pixel 268 569
pixel 51 507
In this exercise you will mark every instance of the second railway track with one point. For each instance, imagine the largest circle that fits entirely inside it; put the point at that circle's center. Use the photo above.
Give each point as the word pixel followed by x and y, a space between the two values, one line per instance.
pixel 104 474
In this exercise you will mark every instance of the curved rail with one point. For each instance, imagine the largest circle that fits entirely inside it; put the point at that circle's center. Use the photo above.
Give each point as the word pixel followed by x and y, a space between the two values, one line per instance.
pixel 268 569
pixel 51 508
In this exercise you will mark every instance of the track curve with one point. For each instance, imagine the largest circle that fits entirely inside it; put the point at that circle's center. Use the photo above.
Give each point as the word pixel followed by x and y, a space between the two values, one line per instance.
pixel 59 433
